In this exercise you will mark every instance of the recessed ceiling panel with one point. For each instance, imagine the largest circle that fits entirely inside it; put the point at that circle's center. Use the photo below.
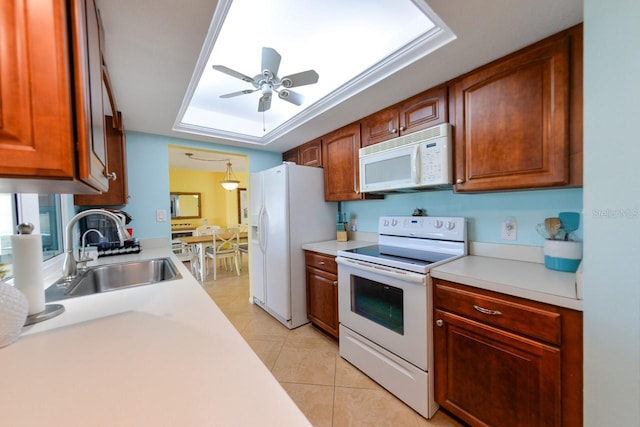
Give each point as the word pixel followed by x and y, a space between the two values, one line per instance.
pixel 349 44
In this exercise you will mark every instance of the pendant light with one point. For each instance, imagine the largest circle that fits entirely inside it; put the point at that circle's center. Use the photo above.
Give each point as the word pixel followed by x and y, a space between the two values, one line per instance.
pixel 229 182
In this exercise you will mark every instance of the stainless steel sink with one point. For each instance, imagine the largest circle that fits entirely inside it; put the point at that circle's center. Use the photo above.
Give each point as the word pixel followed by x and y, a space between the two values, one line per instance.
pixel 111 277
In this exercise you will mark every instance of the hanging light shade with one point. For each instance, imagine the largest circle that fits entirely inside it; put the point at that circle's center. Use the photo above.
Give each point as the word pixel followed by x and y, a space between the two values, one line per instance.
pixel 229 182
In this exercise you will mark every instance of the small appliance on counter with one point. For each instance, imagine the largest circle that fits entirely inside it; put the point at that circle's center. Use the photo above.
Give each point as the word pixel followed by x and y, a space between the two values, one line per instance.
pixel 106 240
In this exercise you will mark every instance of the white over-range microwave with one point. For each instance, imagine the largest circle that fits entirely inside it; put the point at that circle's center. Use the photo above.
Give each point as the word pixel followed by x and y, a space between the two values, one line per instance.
pixel 411 162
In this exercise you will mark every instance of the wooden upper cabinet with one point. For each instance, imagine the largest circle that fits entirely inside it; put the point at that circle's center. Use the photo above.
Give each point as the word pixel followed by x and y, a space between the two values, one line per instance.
pixel 308 154
pixel 419 112
pixel 341 165
pixel 292 155
pixel 51 117
pixel 512 118
pixel 311 153
pixel 117 195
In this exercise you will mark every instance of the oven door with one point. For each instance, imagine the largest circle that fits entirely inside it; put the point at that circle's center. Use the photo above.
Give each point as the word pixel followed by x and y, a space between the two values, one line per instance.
pixel 385 305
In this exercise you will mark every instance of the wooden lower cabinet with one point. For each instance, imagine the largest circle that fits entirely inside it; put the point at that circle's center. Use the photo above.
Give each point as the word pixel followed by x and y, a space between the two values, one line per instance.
pixel 506 361
pixel 322 291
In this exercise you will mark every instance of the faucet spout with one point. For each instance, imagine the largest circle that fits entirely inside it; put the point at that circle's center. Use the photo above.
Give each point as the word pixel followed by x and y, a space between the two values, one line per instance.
pixel 70 267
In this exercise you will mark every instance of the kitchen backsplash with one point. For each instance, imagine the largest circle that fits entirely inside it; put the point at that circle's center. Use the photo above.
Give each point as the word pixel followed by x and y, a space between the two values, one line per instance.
pixel 485 212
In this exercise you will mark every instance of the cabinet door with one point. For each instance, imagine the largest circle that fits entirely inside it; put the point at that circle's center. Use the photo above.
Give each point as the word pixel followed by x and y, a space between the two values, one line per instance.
pixel 380 126
pixel 117 155
pixel 322 299
pixel 311 153
pixel 423 111
pixel 36 138
pixel 341 166
pixel 92 150
pixel 292 155
pixel 51 91
pixel 489 377
pixel 511 121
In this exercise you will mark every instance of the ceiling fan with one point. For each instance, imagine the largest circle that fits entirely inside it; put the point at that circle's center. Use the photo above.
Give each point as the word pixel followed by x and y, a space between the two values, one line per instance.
pixel 268 81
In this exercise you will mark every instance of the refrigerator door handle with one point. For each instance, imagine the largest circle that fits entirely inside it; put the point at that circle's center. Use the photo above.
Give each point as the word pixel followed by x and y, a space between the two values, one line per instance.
pixel 261 230
pixel 264 229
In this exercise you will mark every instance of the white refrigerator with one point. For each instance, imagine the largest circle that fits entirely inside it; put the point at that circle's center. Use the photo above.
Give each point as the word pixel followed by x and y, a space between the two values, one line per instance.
pixel 287 210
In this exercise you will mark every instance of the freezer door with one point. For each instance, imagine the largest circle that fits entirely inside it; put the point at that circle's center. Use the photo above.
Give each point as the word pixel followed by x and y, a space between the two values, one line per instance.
pixel 258 272
pixel 276 242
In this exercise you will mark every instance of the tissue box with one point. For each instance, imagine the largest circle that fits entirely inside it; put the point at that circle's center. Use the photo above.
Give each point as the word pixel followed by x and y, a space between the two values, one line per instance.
pixel 562 255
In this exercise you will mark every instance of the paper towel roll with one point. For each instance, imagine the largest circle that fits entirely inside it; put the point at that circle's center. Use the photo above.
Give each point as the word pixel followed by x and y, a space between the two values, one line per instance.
pixel 27 269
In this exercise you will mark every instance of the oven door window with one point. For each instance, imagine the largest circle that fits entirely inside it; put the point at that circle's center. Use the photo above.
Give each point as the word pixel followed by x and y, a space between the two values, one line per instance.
pixel 380 303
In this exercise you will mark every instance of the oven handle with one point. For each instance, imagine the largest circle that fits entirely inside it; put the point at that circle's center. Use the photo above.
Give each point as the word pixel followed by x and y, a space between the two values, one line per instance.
pixel 406 276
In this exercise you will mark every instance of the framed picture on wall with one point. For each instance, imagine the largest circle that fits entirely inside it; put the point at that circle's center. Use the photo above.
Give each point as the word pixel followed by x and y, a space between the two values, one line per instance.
pixel 243 207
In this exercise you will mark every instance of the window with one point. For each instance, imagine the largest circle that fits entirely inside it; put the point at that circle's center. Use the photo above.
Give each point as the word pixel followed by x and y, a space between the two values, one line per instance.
pixel 44 211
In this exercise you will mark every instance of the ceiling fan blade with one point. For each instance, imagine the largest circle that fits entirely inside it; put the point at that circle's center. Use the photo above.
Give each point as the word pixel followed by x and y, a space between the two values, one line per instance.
pixel 264 103
pixel 270 61
pixel 300 79
pixel 241 92
pixel 232 73
pixel 292 97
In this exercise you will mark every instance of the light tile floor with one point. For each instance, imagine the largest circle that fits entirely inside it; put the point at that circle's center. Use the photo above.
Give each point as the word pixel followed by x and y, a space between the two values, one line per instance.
pixel 329 390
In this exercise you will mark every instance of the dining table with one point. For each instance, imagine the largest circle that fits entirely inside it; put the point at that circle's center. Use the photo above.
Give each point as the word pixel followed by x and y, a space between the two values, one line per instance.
pixel 197 246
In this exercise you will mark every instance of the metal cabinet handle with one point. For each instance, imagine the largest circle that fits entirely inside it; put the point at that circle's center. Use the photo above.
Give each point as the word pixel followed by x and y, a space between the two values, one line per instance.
pixel 335 283
pixel 487 311
pixel 440 323
pixel 394 130
pixel 459 181
pixel 111 176
pixel 402 128
pixel 321 262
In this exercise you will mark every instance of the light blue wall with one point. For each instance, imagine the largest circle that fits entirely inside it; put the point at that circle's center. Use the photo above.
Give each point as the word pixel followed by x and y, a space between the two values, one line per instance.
pixel 485 212
pixel 148 177
pixel 612 213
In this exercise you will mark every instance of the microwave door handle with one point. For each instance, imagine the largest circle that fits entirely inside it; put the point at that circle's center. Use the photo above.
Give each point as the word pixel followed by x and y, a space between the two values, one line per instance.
pixel 415 165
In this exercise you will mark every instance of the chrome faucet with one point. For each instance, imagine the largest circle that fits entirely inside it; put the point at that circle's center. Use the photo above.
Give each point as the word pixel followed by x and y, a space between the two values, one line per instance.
pixel 70 267
pixel 84 257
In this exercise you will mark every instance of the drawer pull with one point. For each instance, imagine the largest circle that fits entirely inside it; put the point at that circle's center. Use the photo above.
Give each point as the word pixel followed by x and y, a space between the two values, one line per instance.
pixel 321 262
pixel 335 283
pixel 487 311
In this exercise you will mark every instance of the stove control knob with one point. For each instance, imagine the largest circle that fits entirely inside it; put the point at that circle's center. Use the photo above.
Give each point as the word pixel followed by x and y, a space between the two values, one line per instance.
pixel 451 225
pixel 437 223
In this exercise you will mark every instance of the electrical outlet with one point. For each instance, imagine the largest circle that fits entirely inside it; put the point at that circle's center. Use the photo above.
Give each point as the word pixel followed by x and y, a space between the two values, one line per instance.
pixel 510 229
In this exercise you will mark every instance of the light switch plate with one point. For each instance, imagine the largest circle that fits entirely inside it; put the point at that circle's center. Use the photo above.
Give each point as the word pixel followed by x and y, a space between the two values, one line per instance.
pixel 161 215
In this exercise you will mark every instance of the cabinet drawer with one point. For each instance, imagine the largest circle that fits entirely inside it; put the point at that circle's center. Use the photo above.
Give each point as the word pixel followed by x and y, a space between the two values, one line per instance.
pixel 321 261
pixel 505 313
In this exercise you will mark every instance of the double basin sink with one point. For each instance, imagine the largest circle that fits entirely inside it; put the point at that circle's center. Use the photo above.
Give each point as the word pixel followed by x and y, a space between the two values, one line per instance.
pixel 111 277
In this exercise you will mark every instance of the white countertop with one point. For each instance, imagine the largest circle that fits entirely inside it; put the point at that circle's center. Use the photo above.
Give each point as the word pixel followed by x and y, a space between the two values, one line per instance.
pixel 529 280
pixel 331 247
pixel 155 355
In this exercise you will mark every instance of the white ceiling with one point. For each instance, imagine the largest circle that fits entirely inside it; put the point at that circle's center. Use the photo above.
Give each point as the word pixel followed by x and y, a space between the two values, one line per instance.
pixel 152 47
pixel 313 38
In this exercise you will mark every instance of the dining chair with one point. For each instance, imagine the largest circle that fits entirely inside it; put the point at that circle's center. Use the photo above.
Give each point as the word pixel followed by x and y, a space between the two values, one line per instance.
pixel 203 230
pixel 225 247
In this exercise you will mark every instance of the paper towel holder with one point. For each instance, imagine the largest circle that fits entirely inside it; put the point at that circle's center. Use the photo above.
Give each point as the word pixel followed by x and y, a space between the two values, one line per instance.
pixel 50 310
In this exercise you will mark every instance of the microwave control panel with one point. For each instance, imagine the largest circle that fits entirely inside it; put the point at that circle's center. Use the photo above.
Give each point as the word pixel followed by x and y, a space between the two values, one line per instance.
pixel 435 162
